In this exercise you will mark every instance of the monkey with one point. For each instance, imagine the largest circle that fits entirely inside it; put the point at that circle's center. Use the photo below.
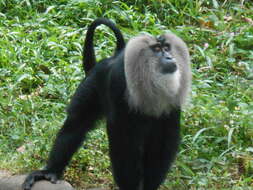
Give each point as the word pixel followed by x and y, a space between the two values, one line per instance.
pixel 140 91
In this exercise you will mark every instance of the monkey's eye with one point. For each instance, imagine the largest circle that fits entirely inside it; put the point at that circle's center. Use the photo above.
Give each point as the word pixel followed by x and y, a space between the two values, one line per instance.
pixel 167 47
pixel 156 48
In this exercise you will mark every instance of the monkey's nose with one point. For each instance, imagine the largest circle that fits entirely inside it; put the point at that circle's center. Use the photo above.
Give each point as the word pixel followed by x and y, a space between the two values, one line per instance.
pixel 168 65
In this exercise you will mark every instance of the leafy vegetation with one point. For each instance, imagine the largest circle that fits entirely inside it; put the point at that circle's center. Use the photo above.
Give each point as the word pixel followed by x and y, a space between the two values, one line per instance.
pixel 40 67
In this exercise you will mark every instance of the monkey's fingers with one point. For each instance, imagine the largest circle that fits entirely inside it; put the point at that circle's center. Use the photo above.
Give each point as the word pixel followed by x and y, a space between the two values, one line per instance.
pixel 51 177
pixel 27 185
pixel 32 178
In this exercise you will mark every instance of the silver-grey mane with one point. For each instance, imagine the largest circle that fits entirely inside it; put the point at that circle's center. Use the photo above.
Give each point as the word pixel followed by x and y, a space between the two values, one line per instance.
pixel 148 90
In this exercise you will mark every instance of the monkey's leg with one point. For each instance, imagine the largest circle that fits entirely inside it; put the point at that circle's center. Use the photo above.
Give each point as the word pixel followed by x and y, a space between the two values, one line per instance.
pixel 160 150
pixel 82 113
pixel 125 156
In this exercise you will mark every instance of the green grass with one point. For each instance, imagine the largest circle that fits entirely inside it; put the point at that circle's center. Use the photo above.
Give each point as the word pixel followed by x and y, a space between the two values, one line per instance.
pixel 40 67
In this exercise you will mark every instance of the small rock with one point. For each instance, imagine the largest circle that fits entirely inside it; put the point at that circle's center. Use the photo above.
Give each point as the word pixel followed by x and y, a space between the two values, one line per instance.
pixel 4 173
pixel 15 182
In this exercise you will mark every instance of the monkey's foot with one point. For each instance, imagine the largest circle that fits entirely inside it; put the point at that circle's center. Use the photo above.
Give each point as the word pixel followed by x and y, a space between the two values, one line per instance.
pixel 15 183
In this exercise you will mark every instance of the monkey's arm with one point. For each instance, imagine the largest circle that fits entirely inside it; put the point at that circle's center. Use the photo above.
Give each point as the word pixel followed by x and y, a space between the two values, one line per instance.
pixel 82 114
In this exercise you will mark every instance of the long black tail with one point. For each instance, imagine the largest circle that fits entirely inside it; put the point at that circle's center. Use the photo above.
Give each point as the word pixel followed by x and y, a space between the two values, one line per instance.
pixel 89 59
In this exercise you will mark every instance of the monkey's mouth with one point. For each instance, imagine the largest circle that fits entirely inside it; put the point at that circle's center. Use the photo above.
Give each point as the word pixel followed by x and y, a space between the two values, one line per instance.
pixel 168 66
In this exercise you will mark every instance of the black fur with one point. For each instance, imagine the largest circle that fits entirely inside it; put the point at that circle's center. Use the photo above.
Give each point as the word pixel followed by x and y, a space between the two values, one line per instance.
pixel 141 147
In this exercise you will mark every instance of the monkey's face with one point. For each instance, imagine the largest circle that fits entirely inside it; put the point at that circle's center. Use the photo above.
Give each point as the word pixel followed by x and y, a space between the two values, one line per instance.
pixel 166 63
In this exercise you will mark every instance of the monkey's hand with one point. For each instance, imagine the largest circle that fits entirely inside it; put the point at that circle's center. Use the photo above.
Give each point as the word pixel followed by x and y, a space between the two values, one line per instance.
pixel 37 176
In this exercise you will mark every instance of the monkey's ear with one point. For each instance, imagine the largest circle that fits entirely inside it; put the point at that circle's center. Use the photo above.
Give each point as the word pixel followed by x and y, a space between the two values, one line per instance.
pixel 178 45
pixel 136 53
pixel 135 46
